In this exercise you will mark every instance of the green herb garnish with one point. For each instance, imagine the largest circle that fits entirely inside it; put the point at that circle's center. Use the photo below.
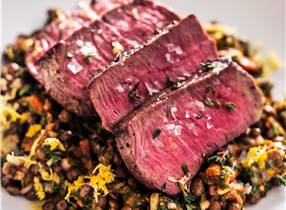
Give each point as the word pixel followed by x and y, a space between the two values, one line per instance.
pixel 210 103
pixel 164 186
pixel 185 169
pixel 172 84
pixel 55 155
pixel 208 66
pixel 254 190
pixel 230 106
pixel 199 116
pixel 191 201
pixel 24 90
pixel 156 133
pixel 280 180
pixel 88 57
pixel 132 93
pixel 220 158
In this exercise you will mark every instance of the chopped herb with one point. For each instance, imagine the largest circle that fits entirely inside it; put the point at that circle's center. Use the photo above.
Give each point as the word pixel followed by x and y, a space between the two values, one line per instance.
pixel 137 204
pixel 220 158
pixel 230 106
pixel 188 207
pixel 280 180
pixel 164 186
pixel 171 83
pixel 189 199
pixel 254 191
pixel 210 103
pixel 24 90
pixel 208 66
pixel 88 57
pixel 185 169
pixel 52 154
pixel 199 116
pixel 132 93
pixel 93 1
pixel 156 133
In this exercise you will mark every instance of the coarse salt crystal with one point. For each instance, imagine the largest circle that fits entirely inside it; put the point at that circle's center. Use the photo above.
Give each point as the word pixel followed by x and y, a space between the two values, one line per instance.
pixel 119 88
pixel 177 130
pixel 88 49
pixel 79 43
pixel 74 66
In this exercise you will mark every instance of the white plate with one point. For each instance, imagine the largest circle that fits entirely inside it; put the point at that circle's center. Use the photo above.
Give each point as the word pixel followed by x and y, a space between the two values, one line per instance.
pixel 257 20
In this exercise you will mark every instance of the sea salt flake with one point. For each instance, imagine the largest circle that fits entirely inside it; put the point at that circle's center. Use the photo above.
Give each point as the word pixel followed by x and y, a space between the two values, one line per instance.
pixel 190 126
pixel 120 88
pixel 174 48
pixel 151 89
pixel 208 117
pixel 79 43
pixel 170 127
pixel 123 25
pixel 173 110
pixel 187 114
pixel 178 130
pixel 168 57
pixel 88 49
pixel 209 125
pixel 74 66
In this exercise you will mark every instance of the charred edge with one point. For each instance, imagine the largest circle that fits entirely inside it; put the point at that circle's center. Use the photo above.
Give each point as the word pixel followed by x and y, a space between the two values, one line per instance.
pixel 49 55
pixel 143 2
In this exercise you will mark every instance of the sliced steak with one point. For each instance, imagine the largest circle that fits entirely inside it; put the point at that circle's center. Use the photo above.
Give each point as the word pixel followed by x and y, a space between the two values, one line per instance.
pixel 67 67
pixel 62 27
pixel 184 126
pixel 175 53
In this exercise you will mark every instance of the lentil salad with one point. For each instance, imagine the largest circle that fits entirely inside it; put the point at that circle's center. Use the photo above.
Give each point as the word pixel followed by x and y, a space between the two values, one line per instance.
pixel 48 155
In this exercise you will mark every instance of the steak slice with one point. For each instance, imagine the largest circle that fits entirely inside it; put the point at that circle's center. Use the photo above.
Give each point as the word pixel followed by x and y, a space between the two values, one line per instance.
pixel 175 53
pixel 184 126
pixel 67 67
pixel 101 6
pixel 62 27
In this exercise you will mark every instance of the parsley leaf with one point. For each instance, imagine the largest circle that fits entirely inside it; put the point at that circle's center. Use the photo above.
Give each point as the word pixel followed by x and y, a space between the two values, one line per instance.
pixel 208 66
pixel 185 169
pixel 132 94
pixel 281 180
pixel 172 84
pixel 156 133
pixel 230 105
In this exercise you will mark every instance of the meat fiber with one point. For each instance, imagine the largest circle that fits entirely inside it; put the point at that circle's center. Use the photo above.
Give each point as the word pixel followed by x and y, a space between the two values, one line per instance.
pixel 67 67
pixel 62 27
pixel 174 54
pixel 184 126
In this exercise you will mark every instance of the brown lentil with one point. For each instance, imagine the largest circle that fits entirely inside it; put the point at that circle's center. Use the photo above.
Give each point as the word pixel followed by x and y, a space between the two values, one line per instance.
pixel 197 187
pixel 215 205
pixel 62 205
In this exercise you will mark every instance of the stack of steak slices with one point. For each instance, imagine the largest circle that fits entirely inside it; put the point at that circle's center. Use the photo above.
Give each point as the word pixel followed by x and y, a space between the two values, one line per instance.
pixel 158 129
pixel 67 67
pixel 184 124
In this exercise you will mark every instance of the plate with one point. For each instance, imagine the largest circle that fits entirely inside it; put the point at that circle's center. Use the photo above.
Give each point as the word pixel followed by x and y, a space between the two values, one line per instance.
pixel 257 20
